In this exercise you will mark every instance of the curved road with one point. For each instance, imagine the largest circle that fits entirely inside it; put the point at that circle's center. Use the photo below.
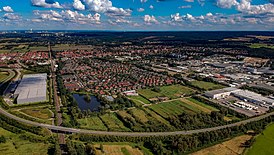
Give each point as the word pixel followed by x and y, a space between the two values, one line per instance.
pixel 140 134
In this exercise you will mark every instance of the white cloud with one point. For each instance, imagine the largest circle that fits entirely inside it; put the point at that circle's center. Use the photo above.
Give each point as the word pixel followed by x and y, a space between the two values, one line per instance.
pixel 144 1
pixel 67 15
pixel 141 10
pixel 43 3
pixel 190 1
pixel 7 9
pixel 150 19
pixel 105 6
pixel 185 7
pixel 11 16
pixel 151 7
pixel 176 17
pixel 78 5
pixel 246 7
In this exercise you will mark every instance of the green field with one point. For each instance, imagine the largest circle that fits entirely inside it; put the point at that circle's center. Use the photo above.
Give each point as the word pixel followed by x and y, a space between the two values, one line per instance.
pixel 258 45
pixel 41 113
pixel 172 92
pixel 3 76
pixel 113 123
pixel 173 108
pixel 202 104
pixel 264 143
pixel 92 123
pixel 139 99
pixel 15 146
pixel 206 85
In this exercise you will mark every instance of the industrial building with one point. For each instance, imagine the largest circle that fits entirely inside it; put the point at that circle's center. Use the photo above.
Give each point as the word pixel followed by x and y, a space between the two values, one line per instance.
pixel 253 97
pixel 32 89
pixel 220 93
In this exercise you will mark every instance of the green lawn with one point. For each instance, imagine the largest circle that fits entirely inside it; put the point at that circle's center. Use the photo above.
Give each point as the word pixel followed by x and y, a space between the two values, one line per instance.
pixel 41 113
pixel 202 104
pixel 264 143
pixel 172 92
pixel 3 76
pixel 93 123
pixel 139 98
pixel 113 123
pixel 206 85
pixel 15 146
pixel 175 91
pixel 173 108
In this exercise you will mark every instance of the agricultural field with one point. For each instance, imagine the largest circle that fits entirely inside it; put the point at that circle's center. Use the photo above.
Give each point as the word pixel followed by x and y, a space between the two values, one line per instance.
pixel 41 113
pixel 92 123
pixel 258 45
pixel 172 92
pixel 173 108
pixel 263 143
pixel 15 146
pixel 202 105
pixel 206 85
pixel 120 149
pixel 139 99
pixel 3 76
pixel 231 147
pixel 113 123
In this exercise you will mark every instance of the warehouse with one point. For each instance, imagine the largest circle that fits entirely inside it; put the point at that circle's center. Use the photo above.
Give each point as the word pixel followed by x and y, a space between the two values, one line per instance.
pixel 32 89
pixel 220 93
pixel 253 97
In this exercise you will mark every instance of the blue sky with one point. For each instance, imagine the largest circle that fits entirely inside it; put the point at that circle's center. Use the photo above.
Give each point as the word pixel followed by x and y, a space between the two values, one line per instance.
pixel 130 15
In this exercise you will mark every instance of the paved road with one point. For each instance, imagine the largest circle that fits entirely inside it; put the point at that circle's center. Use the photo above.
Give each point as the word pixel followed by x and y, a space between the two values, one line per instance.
pixel 140 134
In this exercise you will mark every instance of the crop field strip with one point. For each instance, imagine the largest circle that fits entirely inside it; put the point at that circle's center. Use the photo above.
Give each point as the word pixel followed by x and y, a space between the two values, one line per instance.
pixel 206 85
pixel 113 123
pixel 92 123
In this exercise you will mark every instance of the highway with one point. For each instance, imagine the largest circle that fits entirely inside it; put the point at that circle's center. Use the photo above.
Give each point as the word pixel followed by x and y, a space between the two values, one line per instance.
pixel 139 134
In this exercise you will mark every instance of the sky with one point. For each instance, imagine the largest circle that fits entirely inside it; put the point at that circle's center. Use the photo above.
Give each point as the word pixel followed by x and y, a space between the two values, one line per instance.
pixel 138 15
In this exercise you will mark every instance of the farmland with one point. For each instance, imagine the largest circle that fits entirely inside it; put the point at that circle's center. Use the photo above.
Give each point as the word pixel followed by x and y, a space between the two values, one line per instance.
pixel 139 99
pixel 172 92
pixel 113 123
pixel 93 123
pixel 263 142
pixel 15 146
pixel 206 85
pixel 121 149
pixel 231 147
pixel 259 45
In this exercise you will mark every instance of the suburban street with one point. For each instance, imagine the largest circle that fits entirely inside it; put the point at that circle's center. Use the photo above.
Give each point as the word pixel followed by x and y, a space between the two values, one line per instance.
pixel 139 134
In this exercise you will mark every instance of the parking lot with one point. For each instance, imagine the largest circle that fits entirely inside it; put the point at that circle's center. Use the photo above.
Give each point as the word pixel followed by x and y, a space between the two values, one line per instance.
pixel 243 107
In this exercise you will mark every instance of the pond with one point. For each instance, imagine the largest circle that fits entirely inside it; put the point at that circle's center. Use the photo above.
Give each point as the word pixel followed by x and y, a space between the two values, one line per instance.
pixel 93 104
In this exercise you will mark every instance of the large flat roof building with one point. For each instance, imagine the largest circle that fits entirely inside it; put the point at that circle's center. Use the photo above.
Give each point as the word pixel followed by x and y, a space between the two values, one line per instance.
pixel 32 89
pixel 253 97
pixel 220 93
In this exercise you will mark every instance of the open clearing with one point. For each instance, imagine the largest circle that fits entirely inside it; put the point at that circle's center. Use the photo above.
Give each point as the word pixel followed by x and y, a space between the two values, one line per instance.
pixel 264 143
pixel 230 147
pixel 173 108
pixel 202 104
pixel 113 123
pixel 206 85
pixel 16 146
pixel 172 92
pixel 92 123
pixel 139 98
pixel 3 76
pixel 117 149
pixel 41 113
pixel 258 45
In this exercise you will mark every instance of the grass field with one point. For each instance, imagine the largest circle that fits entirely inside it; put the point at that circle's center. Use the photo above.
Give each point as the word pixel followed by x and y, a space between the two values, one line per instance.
pixel 175 91
pixel 230 147
pixel 16 146
pixel 120 149
pixel 202 104
pixel 158 117
pixel 92 123
pixel 139 98
pixel 113 123
pixel 173 108
pixel 3 76
pixel 139 115
pixel 206 85
pixel 172 92
pixel 41 113
pixel 27 72
pixel 258 45
pixel 264 143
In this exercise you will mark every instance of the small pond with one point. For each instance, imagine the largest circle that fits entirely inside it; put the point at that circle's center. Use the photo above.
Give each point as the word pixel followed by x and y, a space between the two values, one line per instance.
pixel 93 104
